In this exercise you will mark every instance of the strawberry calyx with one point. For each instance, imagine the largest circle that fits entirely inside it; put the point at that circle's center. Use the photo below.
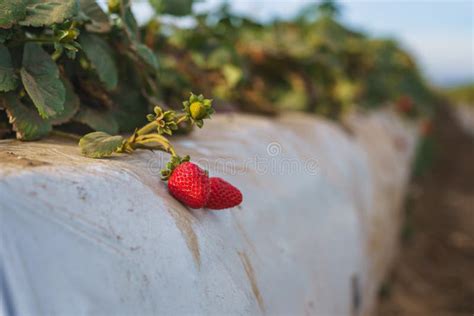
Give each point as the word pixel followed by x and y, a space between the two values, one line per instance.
pixel 171 165
pixel 165 122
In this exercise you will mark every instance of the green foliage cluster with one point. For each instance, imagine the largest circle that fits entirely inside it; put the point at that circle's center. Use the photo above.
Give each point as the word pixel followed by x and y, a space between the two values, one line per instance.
pixel 312 63
pixel 68 63
pixel 463 94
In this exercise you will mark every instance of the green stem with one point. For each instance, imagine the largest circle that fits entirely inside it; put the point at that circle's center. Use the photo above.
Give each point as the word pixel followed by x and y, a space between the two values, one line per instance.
pixel 150 127
pixel 156 139
pixel 183 118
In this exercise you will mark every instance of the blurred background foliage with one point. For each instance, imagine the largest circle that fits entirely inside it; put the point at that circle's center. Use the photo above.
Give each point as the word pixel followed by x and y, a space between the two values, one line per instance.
pixel 109 72
pixel 312 63
pixel 461 95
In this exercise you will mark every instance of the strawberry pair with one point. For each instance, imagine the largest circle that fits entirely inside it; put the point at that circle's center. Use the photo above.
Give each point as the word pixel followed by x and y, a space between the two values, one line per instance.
pixel 192 186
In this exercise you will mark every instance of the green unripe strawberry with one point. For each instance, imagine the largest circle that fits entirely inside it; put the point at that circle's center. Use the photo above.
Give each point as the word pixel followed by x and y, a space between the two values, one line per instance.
pixel 114 6
pixel 198 110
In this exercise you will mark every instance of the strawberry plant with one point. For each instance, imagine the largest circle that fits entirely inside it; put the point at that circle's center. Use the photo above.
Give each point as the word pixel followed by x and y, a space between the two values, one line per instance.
pixel 69 63
pixel 187 182
pixel 195 110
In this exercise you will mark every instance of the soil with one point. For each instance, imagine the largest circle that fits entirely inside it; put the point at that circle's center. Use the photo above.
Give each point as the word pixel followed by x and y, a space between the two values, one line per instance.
pixel 434 272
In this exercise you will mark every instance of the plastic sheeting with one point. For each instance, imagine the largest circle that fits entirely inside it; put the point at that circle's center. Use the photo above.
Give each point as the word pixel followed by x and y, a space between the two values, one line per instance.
pixel 315 233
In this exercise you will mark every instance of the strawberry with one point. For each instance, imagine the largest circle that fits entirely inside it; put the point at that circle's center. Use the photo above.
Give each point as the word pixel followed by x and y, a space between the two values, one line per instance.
pixel 223 195
pixel 426 128
pixel 405 104
pixel 189 184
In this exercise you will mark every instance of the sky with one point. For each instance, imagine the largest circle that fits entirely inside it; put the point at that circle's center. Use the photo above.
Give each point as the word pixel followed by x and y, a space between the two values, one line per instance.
pixel 439 33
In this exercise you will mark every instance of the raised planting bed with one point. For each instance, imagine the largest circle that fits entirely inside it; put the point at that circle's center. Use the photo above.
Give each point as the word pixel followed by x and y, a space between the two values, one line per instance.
pixel 315 233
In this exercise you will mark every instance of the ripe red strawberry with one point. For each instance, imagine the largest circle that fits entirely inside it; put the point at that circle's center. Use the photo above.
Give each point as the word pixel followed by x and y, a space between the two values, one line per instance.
pixel 223 195
pixel 189 184
pixel 426 128
pixel 404 104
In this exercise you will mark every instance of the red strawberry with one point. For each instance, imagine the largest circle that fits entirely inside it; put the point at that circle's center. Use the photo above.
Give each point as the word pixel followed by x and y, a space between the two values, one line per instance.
pixel 189 184
pixel 405 104
pixel 426 128
pixel 223 195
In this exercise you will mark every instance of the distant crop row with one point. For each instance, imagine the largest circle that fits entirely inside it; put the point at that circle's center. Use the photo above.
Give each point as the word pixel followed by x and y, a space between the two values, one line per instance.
pixel 70 64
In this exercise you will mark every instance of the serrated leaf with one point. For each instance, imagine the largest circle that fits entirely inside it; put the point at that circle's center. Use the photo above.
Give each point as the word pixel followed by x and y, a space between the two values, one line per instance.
pixel 26 122
pixel 102 121
pixel 71 105
pixel 147 56
pixel 8 78
pixel 99 144
pixel 99 21
pixel 11 11
pixel 48 12
pixel 40 77
pixel 100 55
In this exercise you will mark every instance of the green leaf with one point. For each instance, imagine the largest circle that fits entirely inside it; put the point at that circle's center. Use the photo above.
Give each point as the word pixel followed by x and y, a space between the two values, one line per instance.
pixel 147 56
pixel 130 23
pixel 98 120
pixel 40 77
pixel 99 21
pixel 26 122
pixel 8 78
pixel 99 144
pixel 11 11
pixel 71 105
pixel 48 12
pixel 131 108
pixel 100 55
pixel 173 7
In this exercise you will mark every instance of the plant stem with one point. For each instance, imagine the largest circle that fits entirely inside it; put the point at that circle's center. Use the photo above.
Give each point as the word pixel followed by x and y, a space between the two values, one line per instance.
pixel 157 139
pixel 152 126
pixel 183 118
pixel 148 128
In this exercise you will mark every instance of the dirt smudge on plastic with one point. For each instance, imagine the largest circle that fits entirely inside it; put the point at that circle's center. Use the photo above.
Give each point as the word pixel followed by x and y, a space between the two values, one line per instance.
pixel 253 280
pixel 182 217
pixel 9 157
pixel 184 221
pixel 244 234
